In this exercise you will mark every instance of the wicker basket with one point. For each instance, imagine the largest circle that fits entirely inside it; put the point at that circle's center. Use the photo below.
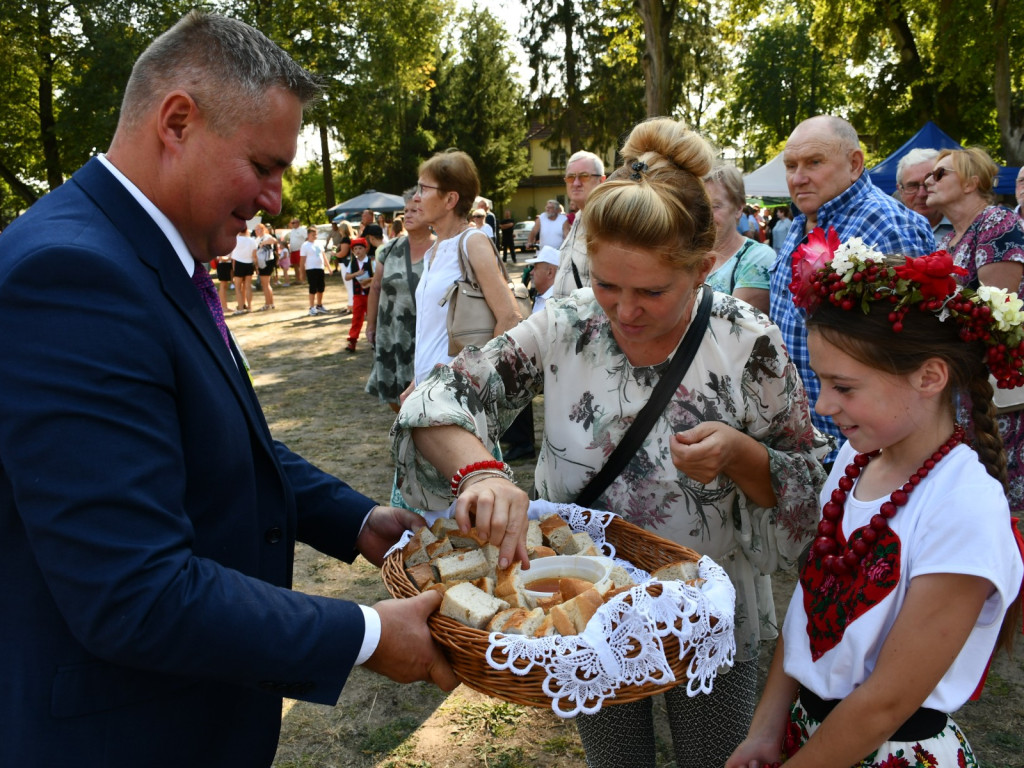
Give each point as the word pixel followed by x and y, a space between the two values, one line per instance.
pixel 466 647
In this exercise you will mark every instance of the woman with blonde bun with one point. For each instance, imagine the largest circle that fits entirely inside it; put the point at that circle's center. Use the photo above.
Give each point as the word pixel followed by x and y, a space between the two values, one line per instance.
pixel 733 451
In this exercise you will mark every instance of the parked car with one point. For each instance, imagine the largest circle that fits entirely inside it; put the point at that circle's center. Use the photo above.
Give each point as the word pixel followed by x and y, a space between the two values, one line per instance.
pixel 521 233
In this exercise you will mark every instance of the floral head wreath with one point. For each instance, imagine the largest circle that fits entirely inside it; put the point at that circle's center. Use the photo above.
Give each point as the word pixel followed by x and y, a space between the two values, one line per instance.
pixel 853 275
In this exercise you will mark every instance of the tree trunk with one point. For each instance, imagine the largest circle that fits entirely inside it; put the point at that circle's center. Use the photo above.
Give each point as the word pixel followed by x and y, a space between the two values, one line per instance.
pixel 325 158
pixel 1011 135
pixel 47 121
pixel 657 58
pixel 572 86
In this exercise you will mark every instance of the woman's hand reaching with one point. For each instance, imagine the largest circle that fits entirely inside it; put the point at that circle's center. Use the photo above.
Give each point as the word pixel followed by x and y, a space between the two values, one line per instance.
pixel 498 508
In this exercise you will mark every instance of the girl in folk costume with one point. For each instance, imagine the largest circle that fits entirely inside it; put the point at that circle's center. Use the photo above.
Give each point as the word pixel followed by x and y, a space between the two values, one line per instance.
pixel 915 575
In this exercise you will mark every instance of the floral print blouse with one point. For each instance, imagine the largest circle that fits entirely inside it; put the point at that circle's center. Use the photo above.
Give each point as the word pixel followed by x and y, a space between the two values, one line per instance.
pixel 741 376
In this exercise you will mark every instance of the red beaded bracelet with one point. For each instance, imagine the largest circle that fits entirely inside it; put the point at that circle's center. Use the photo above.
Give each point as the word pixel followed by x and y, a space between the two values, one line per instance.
pixel 458 477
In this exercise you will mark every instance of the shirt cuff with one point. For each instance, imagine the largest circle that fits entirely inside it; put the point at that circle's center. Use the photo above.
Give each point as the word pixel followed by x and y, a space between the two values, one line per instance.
pixel 371 634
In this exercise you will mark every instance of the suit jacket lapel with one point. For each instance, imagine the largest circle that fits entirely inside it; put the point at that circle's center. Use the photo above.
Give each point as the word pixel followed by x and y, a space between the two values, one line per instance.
pixel 153 249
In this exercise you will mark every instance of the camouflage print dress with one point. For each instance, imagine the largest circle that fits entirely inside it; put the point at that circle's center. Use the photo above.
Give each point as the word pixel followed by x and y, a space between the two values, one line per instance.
pixel 396 322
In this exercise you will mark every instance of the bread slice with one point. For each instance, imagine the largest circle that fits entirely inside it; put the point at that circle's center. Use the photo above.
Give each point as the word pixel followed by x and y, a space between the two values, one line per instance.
pixel 438 549
pixel 422 575
pixel 580 543
pixel 582 607
pixel 516 621
pixel 508 579
pixel 534 552
pixel 534 537
pixel 546 628
pixel 555 531
pixel 684 570
pixel 491 553
pixel 470 606
pixel 485 583
pixel 443 526
pixel 561 622
pixel 415 550
pixel 472 539
pixel 462 566
pixel 620 577
pixel 569 588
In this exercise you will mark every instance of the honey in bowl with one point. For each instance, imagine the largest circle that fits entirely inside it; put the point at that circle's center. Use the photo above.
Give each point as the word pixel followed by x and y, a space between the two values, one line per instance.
pixel 541 580
pixel 548 585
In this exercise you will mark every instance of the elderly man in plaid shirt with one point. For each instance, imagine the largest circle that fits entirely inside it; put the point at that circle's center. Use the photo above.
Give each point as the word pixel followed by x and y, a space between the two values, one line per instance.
pixel 826 179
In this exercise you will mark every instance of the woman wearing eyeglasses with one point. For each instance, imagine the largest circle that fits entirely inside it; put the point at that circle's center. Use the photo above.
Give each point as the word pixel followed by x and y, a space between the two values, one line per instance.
pixel 988 241
pixel 448 185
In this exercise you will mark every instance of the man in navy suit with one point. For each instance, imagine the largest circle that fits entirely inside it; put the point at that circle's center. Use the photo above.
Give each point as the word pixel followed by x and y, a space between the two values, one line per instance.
pixel 147 517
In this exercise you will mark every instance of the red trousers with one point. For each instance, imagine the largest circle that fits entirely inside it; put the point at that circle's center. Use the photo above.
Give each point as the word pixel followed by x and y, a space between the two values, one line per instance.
pixel 358 315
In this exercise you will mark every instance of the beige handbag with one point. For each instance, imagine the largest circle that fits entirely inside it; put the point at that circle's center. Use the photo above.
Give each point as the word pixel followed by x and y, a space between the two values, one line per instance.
pixel 470 320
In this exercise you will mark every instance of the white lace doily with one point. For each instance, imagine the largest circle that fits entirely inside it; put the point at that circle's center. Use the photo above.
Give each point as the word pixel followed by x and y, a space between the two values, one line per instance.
pixel 584 670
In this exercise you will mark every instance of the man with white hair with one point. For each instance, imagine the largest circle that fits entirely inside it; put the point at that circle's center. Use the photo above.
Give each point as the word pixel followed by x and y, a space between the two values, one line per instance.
pixel 825 175
pixel 910 174
pixel 583 173
pixel 489 218
pixel 547 230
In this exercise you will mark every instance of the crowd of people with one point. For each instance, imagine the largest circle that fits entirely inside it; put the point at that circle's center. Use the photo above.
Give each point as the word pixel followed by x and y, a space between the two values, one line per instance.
pixel 830 382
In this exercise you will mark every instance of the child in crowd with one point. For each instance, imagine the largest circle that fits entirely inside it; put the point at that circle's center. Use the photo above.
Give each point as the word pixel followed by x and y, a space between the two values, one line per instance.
pixel 315 262
pixel 358 269
pixel 915 575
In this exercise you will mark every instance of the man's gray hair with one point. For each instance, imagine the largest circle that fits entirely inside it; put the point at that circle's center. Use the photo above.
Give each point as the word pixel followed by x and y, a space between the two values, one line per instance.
pixel 844 131
pixel 584 155
pixel 914 157
pixel 225 65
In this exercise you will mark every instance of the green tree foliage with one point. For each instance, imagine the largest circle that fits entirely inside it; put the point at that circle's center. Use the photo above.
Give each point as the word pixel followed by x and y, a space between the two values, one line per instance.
pixel 781 78
pixel 377 108
pixel 479 105
pixel 948 61
pixel 554 32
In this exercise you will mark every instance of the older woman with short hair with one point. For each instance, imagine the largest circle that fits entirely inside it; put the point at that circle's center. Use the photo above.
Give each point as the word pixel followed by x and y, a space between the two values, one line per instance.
pixel 741 263
pixel 448 185
pixel 733 451
pixel 988 241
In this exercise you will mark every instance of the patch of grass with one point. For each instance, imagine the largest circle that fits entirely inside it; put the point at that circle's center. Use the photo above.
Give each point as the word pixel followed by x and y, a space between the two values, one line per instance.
pixel 498 718
pixel 495 757
pixel 997 686
pixel 303 761
pixel 388 738
pixel 562 745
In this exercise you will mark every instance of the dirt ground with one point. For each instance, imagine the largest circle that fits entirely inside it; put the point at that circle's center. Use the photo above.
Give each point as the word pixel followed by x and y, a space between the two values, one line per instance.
pixel 312 392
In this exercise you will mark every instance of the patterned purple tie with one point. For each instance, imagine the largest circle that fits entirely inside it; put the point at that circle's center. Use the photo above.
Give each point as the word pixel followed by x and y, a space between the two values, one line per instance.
pixel 201 280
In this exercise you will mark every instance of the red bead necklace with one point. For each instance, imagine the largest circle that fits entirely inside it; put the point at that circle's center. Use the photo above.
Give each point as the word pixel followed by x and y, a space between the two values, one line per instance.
pixel 826 546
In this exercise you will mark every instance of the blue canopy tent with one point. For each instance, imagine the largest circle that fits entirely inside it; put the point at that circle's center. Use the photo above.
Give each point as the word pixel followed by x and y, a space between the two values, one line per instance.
pixel 931 136
pixel 372 199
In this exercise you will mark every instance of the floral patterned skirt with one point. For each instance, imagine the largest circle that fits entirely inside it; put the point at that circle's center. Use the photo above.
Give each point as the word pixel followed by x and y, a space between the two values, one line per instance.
pixel 947 749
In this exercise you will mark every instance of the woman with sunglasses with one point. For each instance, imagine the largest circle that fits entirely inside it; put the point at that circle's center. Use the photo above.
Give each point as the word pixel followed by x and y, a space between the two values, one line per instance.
pixel 988 241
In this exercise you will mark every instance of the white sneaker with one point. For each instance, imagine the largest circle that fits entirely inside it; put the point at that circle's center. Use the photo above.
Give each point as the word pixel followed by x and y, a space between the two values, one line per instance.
pixel 321 310
pixel 313 312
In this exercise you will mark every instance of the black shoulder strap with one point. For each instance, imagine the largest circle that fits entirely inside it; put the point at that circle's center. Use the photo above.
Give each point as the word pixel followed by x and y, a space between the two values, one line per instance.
pixel 736 266
pixel 656 404
pixel 575 273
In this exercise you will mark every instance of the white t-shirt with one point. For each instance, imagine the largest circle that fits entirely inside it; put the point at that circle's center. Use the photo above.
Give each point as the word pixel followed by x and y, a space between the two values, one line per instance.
pixel 296 238
pixel 551 231
pixel 244 246
pixel 956 521
pixel 439 273
pixel 312 255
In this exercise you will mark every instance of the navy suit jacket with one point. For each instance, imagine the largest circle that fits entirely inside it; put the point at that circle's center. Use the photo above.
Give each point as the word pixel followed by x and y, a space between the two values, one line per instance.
pixel 147 518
